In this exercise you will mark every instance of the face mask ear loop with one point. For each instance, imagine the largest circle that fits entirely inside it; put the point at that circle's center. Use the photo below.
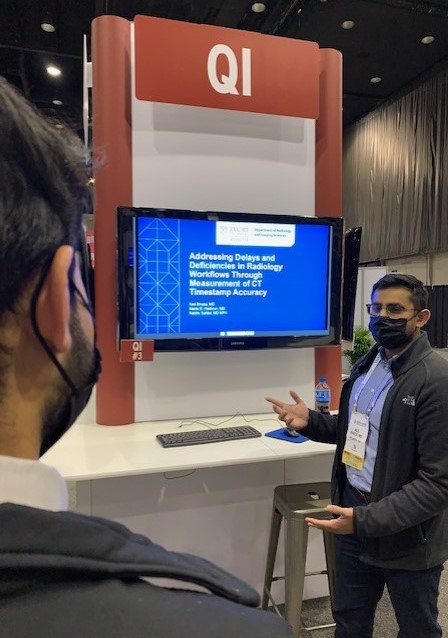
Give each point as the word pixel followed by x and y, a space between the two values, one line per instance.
pixel 39 336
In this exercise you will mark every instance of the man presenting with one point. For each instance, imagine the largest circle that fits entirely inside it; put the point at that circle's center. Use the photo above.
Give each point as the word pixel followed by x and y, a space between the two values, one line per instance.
pixel 390 474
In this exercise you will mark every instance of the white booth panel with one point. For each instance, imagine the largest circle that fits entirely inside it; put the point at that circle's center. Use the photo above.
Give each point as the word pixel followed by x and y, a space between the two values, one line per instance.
pixel 209 159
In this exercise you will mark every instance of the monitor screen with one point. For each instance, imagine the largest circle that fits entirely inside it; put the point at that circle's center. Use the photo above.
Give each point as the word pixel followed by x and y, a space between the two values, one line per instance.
pixel 192 280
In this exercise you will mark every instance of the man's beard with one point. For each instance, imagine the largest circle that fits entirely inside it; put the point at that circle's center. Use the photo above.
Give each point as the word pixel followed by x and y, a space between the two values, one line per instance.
pixel 78 365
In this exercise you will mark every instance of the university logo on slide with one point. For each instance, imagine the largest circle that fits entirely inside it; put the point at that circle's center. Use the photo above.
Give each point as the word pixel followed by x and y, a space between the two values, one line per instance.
pixel 201 65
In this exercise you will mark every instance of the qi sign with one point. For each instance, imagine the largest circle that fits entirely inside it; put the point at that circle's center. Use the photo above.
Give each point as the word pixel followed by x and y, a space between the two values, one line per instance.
pixel 227 83
pixel 202 65
pixel 133 351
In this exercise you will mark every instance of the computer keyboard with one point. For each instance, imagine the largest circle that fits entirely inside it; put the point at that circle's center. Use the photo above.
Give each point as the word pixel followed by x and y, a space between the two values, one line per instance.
pixel 176 439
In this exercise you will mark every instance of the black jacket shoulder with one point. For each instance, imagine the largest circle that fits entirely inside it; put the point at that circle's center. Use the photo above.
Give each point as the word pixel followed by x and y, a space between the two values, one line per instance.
pixel 64 574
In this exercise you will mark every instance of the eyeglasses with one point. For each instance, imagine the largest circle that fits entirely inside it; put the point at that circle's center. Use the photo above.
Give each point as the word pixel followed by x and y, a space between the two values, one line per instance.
pixel 392 309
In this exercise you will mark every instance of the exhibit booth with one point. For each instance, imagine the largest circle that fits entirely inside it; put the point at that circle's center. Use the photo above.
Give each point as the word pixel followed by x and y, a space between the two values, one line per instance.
pixel 198 133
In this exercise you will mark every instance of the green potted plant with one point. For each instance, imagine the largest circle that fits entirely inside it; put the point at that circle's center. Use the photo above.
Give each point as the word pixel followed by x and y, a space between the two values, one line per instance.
pixel 362 342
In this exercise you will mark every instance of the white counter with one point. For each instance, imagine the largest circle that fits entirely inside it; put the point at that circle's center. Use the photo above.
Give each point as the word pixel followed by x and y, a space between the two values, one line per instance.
pixel 214 499
pixel 89 452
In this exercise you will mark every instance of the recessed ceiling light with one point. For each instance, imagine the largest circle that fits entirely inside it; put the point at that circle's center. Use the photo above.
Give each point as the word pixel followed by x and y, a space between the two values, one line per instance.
pixel 48 23
pixel 53 71
pixel 48 27
pixel 348 24
pixel 375 80
pixel 428 39
pixel 57 102
pixel 258 7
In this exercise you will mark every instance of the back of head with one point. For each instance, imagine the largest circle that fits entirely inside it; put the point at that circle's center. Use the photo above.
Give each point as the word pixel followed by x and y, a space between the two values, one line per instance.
pixel 43 194
pixel 417 290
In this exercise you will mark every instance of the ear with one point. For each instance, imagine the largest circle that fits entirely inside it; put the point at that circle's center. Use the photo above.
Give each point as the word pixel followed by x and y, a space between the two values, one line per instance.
pixel 423 317
pixel 53 304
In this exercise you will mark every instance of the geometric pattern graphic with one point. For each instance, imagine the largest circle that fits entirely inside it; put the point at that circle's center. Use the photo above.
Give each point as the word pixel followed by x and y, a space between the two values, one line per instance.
pixel 158 276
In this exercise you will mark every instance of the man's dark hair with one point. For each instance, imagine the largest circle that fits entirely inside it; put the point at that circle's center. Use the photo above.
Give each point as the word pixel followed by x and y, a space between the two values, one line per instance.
pixel 43 193
pixel 418 292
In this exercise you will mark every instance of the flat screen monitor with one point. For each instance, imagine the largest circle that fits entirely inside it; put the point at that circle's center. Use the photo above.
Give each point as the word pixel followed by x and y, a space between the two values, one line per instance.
pixel 352 247
pixel 196 280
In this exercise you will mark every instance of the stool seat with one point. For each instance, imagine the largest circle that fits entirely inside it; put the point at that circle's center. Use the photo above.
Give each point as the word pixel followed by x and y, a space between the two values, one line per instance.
pixel 293 503
pixel 301 500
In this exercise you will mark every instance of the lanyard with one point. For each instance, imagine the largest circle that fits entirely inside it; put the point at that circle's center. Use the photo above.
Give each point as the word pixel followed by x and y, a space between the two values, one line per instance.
pixel 363 385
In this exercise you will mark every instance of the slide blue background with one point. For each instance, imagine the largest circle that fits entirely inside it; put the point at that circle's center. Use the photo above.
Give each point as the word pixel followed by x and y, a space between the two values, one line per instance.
pixel 297 298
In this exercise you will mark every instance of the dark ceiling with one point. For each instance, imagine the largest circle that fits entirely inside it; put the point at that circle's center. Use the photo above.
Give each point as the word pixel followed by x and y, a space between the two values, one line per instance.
pixel 385 41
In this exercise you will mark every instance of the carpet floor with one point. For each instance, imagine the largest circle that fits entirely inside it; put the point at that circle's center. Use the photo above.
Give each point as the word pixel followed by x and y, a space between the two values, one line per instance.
pixel 317 612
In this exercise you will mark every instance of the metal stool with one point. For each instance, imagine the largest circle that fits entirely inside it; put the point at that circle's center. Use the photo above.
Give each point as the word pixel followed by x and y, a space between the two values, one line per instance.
pixel 294 503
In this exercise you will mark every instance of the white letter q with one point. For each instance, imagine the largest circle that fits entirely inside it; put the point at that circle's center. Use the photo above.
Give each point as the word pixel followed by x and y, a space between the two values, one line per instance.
pixel 227 83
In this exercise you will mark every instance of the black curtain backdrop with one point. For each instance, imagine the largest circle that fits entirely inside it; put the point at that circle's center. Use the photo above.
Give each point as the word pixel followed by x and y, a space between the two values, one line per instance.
pixel 437 326
pixel 395 177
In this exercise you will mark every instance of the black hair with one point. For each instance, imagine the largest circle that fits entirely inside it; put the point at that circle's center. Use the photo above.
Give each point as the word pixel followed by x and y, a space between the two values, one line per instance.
pixel 43 193
pixel 419 294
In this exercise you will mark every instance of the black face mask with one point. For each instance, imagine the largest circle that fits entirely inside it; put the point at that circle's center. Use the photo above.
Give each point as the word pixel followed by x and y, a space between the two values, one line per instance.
pixel 79 397
pixel 75 405
pixel 389 333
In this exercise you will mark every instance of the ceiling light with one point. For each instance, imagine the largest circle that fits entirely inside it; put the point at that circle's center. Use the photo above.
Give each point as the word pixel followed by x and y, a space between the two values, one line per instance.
pixel 48 27
pixel 348 24
pixel 54 71
pixel 258 7
pixel 57 102
pixel 375 80
pixel 59 125
pixel 428 39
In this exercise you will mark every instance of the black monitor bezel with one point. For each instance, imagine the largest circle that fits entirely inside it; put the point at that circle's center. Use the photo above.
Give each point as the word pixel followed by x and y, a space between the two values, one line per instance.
pixel 352 248
pixel 125 277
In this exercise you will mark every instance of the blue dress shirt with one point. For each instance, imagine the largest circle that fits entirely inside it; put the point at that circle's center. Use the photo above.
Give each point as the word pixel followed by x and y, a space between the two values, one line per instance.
pixel 372 398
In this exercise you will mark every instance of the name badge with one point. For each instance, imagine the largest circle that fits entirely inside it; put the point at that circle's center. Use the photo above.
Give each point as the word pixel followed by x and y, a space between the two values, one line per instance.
pixel 355 442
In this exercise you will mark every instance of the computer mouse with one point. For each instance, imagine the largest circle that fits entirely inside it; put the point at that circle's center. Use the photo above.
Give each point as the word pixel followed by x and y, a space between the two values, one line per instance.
pixel 292 432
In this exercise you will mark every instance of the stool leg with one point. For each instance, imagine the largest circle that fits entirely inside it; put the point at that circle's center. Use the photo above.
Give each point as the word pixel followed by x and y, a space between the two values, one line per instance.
pixel 330 557
pixel 295 559
pixel 276 522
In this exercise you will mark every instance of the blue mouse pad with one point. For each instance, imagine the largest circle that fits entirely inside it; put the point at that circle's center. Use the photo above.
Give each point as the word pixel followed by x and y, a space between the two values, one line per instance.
pixel 284 436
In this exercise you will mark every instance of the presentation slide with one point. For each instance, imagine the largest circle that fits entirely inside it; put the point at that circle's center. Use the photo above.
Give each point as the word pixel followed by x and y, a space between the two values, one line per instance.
pixel 206 278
